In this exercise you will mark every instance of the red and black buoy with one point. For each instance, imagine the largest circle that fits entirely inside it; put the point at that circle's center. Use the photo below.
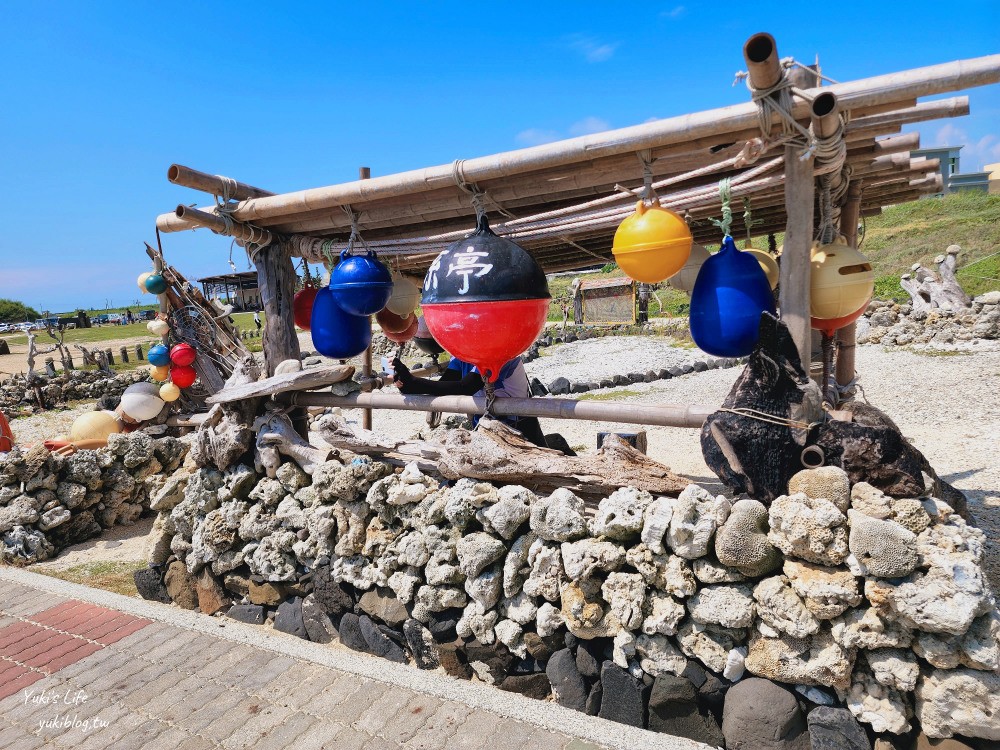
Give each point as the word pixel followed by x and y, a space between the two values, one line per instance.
pixel 485 300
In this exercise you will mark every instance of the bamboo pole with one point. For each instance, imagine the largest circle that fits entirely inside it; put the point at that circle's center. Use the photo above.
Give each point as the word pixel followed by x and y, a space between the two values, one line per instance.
pixel 547 408
pixel 894 87
pixel 365 173
pixel 214 184
pixel 242 232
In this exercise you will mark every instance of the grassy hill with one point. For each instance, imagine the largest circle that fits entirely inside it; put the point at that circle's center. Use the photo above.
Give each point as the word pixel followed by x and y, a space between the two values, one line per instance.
pixel 916 232
pixel 901 236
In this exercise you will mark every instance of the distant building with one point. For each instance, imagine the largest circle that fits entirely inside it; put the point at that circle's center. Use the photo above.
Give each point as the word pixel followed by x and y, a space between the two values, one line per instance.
pixel 952 177
pixel 994 171
pixel 237 289
pixel 949 157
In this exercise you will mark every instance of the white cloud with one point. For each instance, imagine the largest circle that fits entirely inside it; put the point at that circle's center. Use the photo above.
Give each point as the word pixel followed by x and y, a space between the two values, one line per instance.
pixel 589 125
pixel 536 136
pixel 976 153
pixel 675 12
pixel 592 49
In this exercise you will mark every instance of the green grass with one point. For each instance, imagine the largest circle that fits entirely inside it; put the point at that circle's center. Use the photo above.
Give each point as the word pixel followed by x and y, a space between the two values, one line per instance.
pixel 916 232
pixel 90 335
pixel 940 353
pixel 113 576
pixel 615 395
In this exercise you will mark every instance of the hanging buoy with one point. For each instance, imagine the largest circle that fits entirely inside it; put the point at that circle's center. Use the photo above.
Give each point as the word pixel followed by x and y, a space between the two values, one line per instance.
pixel 767 264
pixel 170 392
pixel 406 334
pixel 158 327
pixel 336 333
pixel 652 244
pixel 727 301
pixel 302 305
pixel 425 341
pixel 159 374
pixel 141 401
pixel 95 425
pixel 182 354
pixel 685 278
pixel 392 323
pixel 183 376
pixel 361 284
pixel 841 284
pixel 156 284
pixel 141 281
pixel 158 355
pixel 485 300
pixel 405 296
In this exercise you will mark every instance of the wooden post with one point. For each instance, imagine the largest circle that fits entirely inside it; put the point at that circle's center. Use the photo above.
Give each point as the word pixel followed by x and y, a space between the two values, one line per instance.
pixel 276 279
pixel 365 173
pixel 761 55
pixel 846 336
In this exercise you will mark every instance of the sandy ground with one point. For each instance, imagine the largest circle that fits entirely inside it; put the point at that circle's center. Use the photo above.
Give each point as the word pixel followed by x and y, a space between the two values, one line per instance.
pixel 949 406
pixel 17 361
pixel 117 544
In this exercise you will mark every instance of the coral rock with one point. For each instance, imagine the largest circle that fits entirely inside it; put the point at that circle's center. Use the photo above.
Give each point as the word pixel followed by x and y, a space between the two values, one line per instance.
pixel 816 660
pixel 582 559
pixel 657 655
pixel 709 644
pixel 959 701
pixel 559 517
pixel 826 482
pixel 731 606
pixel 883 548
pixel 780 607
pixel 656 523
pixel 696 516
pixel 741 542
pixel 827 592
pixel 812 530
pixel 509 512
pixel 620 515
pixel 871 702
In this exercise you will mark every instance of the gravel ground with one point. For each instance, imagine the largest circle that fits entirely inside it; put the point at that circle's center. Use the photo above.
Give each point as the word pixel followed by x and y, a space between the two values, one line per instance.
pixel 593 359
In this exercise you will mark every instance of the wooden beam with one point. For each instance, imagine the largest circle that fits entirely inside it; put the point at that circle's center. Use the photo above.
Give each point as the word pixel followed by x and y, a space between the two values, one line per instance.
pixel 276 279
pixel 365 173
pixel 213 183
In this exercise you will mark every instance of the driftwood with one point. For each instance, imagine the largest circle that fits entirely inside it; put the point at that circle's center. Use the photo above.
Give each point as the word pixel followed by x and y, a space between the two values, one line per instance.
pixel 226 434
pixel 497 453
pixel 302 380
pixel 936 291
pixel 759 457
pixel 276 437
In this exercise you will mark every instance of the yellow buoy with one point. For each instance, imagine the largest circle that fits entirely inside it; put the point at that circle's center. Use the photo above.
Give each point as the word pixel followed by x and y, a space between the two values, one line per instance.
pixel 841 281
pixel 95 425
pixel 767 263
pixel 652 244
pixel 160 374
pixel 169 392
pixel 685 278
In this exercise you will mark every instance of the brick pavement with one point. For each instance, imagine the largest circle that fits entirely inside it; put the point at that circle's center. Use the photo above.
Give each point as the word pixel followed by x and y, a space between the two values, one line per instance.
pixel 86 669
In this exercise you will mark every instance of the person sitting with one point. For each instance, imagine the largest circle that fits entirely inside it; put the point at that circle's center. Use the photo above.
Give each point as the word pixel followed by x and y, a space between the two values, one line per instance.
pixel 463 379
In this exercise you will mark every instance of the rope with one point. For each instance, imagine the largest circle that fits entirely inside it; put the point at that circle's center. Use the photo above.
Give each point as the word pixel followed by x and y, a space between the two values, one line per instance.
pixel 646 159
pixel 763 416
pixel 725 195
pixel 777 101
pixel 748 221
pixel 489 389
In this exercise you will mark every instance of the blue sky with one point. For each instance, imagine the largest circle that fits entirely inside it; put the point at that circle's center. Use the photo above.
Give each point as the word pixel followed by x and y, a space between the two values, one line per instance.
pixel 98 99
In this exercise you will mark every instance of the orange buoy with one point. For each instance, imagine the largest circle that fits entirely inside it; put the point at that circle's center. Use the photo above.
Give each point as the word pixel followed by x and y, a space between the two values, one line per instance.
pixel 652 244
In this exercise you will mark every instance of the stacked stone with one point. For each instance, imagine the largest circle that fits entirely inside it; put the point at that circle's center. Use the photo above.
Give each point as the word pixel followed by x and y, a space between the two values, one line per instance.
pixel 17 399
pixel 644 612
pixel 49 502
pixel 890 323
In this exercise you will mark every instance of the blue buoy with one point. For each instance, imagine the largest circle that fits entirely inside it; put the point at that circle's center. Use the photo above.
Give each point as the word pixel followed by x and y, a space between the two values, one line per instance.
pixel 728 298
pixel 361 284
pixel 336 333
pixel 158 355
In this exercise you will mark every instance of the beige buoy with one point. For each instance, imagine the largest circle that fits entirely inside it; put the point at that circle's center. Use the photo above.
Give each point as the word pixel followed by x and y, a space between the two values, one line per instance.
pixel 767 263
pixel 685 278
pixel 405 296
pixel 158 327
pixel 841 280
pixel 95 425
pixel 160 374
pixel 169 392
pixel 141 281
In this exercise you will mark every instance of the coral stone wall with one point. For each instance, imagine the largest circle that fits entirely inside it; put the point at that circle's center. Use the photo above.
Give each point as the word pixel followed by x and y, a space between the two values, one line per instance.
pixel 48 502
pixel 16 398
pixel 856 599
